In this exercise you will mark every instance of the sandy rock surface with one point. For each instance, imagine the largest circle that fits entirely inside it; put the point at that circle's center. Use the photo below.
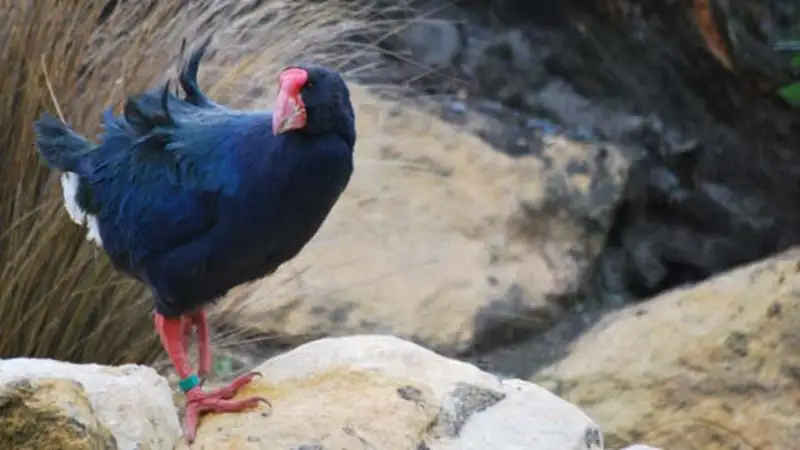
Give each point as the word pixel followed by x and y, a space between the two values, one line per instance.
pixel 381 392
pixel 713 366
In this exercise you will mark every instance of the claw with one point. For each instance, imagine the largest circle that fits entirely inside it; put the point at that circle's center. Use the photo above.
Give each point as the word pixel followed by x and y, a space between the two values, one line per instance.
pixel 220 400
pixel 196 408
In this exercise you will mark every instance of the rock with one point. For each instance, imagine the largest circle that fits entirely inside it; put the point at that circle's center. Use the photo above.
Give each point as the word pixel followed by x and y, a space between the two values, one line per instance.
pixel 47 404
pixel 442 240
pixel 602 67
pixel 381 392
pixel 714 366
pixel 504 68
pixel 50 413
pixel 434 43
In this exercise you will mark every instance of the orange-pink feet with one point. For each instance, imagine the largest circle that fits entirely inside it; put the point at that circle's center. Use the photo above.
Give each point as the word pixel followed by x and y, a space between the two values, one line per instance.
pixel 199 402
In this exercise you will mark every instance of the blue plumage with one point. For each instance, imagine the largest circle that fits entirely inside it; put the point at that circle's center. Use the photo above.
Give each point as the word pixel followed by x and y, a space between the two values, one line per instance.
pixel 194 198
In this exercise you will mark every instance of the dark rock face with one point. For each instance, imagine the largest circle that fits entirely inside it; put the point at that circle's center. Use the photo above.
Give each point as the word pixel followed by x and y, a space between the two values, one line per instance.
pixel 714 183
pixel 464 401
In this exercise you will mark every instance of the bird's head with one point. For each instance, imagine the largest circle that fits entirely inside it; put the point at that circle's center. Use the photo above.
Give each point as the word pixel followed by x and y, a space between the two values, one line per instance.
pixel 312 99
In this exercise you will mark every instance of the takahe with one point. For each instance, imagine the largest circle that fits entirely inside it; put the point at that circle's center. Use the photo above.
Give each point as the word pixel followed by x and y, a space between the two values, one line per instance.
pixel 193 198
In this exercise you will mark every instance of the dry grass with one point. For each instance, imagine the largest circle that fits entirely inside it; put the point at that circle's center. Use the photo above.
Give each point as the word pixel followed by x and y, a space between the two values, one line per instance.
pixel 59 297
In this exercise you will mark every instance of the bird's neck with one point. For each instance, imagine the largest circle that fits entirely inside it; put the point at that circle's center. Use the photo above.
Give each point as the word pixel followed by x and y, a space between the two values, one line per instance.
pixel 347 131
pixel 336 120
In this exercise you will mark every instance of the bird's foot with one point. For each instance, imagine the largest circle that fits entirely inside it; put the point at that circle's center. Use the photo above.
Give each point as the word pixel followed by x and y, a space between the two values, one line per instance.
pixel 199 402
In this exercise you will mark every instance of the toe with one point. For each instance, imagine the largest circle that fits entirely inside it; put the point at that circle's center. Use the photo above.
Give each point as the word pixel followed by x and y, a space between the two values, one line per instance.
pixel 238 405
pixel 230 390
pixel 190 421
pixel 200 405
pixel 243 379
pixel 223 405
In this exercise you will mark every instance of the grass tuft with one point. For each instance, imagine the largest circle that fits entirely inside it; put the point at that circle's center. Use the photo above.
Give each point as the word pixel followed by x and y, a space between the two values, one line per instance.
pixel 58 297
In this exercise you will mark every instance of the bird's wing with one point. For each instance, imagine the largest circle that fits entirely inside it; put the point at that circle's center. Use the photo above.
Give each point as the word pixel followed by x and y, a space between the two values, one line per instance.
pixel 145 210
pixel 160 170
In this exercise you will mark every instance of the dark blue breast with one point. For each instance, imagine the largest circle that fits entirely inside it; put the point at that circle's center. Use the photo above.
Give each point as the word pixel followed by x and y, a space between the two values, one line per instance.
pixel 279 205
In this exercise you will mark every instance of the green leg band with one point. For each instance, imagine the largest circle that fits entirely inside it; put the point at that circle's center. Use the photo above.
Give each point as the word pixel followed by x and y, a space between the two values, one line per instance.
pixel 189 383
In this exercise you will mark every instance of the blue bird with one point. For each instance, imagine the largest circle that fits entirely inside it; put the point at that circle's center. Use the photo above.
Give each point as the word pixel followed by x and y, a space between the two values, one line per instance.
pixel 193 198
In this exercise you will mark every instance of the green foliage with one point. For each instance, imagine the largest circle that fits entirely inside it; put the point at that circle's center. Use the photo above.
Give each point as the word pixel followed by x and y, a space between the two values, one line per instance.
pixel 791 92
pixel 223 365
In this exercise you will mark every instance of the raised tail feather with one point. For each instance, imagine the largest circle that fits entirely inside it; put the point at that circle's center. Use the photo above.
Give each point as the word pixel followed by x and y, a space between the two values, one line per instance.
pixel 59 146
pixel 188 77
pixel 148 115
pixel 146 118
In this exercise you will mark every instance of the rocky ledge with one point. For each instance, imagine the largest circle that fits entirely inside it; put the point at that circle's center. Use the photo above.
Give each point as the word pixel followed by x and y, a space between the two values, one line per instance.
pixel 724 375
pixel 376 392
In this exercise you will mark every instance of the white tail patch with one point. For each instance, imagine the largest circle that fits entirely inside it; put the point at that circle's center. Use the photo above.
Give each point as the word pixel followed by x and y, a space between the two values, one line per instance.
pixel 69 184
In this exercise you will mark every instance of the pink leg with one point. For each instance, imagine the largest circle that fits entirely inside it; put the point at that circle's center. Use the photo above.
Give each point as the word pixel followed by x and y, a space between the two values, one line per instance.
pixel 200 321
pixel 172 332
pixel 187 332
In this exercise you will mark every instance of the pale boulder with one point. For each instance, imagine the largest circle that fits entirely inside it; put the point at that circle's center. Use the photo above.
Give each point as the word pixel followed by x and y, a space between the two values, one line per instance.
pixel 714 366
pixel 385 393
pixel 77 407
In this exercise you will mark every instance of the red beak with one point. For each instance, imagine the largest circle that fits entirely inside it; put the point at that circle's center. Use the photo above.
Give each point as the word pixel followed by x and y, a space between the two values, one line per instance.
pixel 290 112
